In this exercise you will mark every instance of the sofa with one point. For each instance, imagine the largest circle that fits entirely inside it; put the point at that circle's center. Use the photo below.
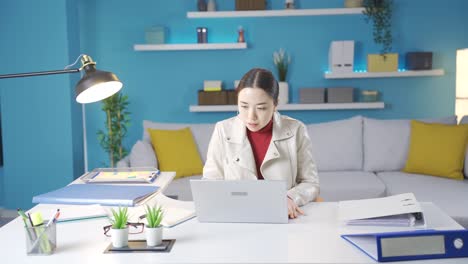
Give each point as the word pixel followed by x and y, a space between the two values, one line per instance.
pixel 357 158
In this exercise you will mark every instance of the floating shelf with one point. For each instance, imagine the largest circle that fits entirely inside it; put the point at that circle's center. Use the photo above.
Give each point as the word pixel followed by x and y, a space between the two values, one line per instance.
pixel 277 13
pixel 350 75
pixel 194 46
pixel 293 107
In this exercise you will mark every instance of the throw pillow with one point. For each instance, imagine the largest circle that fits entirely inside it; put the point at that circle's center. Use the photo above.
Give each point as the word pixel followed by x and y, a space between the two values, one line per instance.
pixel 437 149
pixel 142 155
pixel 176 151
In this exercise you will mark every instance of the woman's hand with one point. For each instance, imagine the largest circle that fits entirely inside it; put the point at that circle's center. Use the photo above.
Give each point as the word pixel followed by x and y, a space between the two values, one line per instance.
pixel 293 209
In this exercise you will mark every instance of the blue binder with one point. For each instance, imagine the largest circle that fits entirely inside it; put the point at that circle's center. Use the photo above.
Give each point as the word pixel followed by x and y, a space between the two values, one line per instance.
pixel 412 245
pixel 112 195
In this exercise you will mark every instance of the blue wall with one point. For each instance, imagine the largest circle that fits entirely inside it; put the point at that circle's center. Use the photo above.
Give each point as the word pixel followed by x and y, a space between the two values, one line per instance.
pixel 40 119
pixel 161 85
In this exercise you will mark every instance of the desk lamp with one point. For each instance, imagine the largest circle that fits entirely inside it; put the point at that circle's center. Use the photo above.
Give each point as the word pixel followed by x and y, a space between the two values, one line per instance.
pixel 94 86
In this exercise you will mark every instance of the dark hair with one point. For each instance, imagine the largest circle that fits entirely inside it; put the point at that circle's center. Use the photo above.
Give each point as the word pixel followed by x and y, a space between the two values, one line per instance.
pixel 262 79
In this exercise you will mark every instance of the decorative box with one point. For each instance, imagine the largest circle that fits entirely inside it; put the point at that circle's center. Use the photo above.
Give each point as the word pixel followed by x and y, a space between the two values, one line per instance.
pixel 418 60
pixel 250 5
pixel 341 56
pixel 155 35
pixel 212 98
pixel 369 96
pixel 231 97
pixel 340 95
pixel 312 95
pixel 382 63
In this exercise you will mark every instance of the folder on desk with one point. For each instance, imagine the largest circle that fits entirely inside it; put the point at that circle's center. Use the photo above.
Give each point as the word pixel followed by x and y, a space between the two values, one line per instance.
pixel 412 245
pixel 396 210
pixel 111 195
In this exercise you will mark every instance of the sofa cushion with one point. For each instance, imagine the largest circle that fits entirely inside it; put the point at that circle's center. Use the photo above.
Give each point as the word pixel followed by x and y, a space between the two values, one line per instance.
pixel 142 155
pixel 349 185
pixel 337 145
pixel 464 120
pixel 437 149
pixel 201 133
pixel 447 194
pixel 386 142
pixel 176 151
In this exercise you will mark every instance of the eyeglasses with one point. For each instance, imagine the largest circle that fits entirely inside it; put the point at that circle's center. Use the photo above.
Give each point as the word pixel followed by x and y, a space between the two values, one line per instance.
pixel 133 228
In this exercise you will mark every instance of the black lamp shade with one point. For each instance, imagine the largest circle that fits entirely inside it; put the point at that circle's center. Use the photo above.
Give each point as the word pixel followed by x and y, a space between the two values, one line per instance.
pixel 96 85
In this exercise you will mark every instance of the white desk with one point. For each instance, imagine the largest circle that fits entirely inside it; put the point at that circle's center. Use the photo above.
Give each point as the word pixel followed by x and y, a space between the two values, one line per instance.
pixel 313 238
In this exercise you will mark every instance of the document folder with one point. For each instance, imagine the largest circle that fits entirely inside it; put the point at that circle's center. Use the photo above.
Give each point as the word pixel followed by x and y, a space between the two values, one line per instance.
pixel 412 245
pixel 111 195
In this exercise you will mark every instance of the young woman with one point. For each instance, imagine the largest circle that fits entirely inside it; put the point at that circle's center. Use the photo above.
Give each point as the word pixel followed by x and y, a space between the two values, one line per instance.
pixel 261 144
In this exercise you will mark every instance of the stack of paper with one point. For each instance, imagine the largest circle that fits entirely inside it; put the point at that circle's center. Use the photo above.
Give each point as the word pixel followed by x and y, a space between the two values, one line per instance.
pixel 396 210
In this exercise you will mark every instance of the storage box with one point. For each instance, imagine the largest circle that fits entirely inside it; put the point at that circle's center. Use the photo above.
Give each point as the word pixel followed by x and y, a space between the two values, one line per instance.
pixel 312 95
pixel 250 5
pixel 418 60
pixel 212 98
pixel 340 95
pixel 369 96
pixel 231 97
pixel 382 63
pixel 155 35
pixel 341 56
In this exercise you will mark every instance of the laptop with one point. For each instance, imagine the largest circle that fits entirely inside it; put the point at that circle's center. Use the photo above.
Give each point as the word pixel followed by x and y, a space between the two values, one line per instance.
pixel 243 201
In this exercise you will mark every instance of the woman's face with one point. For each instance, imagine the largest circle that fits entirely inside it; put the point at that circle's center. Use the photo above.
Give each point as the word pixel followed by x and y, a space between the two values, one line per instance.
pixel 256 108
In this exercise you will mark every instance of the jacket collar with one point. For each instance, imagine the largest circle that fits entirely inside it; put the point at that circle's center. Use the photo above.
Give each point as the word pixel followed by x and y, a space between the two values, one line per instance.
pixel 238 133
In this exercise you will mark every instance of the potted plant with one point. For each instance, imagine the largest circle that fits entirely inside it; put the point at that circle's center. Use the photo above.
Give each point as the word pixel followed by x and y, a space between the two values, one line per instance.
pixel 119 229
pixel 117 121
pixel 154 230
pixel 380 13
pixel 282 60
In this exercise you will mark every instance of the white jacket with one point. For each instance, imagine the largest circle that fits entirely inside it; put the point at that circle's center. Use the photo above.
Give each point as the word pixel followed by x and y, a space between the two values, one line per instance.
pixel 288 158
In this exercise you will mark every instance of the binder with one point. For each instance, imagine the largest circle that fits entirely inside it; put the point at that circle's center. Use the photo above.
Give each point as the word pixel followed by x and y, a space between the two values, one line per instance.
pixel 103 194
pixel 412 245
pixel 397 210
pixel 121 175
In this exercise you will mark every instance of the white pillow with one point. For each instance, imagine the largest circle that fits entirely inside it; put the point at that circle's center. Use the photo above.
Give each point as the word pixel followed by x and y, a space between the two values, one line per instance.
pixel 143 155
pixel 386 142
pixel 337 145
pixel 465 170
pixel 201 133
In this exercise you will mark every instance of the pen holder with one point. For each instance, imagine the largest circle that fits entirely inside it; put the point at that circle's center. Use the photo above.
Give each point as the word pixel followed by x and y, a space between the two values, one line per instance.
pixel 41 240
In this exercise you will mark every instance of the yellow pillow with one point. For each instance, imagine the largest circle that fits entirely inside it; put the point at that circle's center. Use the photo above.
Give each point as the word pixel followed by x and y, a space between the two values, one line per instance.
pixel 437 149
pixel 176 151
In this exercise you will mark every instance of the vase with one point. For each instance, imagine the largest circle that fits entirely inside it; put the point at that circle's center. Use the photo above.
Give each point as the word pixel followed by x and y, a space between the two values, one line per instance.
pixel 119 237
pixel 283 96
pixel 153 236
pixel 201 5
pixel 211 5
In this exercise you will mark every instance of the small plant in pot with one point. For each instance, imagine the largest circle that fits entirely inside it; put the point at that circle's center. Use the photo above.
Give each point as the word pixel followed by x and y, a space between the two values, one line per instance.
pixel 154 230
pixel 119 229
pixel 281 59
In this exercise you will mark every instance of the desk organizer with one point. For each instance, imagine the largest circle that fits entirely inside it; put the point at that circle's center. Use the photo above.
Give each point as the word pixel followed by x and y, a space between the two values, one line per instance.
pixel 139 246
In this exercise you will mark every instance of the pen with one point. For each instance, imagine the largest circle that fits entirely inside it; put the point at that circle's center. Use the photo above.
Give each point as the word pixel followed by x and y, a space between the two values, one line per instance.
pixel 30 220
pixel 53 219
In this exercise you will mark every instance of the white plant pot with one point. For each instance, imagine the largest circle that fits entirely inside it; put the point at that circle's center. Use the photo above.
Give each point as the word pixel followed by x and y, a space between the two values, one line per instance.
pixel 119 237
pixel 283 97
pixel 153 236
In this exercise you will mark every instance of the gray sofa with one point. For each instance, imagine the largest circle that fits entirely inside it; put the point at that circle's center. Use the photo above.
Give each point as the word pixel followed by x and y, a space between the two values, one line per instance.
pixel 357 158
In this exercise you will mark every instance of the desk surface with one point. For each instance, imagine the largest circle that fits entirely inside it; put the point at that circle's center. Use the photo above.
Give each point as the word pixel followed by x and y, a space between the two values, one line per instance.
pixel 313 238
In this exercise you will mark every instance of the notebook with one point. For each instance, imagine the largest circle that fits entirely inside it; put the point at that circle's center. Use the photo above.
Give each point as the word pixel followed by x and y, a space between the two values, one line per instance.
pixel 103 194
pixel 243 201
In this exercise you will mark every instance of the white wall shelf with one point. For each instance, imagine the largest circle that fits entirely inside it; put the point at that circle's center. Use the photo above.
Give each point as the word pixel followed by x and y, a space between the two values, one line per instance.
pixel 351 75
pixel 194 46
pixel 277 13
pixel 293 107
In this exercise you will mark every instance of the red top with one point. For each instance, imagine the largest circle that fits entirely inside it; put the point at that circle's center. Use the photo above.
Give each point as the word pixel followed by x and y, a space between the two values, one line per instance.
pixel 260 140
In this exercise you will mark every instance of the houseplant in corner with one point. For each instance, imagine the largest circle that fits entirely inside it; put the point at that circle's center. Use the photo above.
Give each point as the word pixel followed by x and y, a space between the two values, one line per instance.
pixel 282 60
pixel 379 12
pixel 119 229
pixel 117 121
pixel 154 230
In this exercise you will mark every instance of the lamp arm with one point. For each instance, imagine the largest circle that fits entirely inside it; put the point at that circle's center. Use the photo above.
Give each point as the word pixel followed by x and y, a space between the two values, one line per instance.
pixel 28 74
